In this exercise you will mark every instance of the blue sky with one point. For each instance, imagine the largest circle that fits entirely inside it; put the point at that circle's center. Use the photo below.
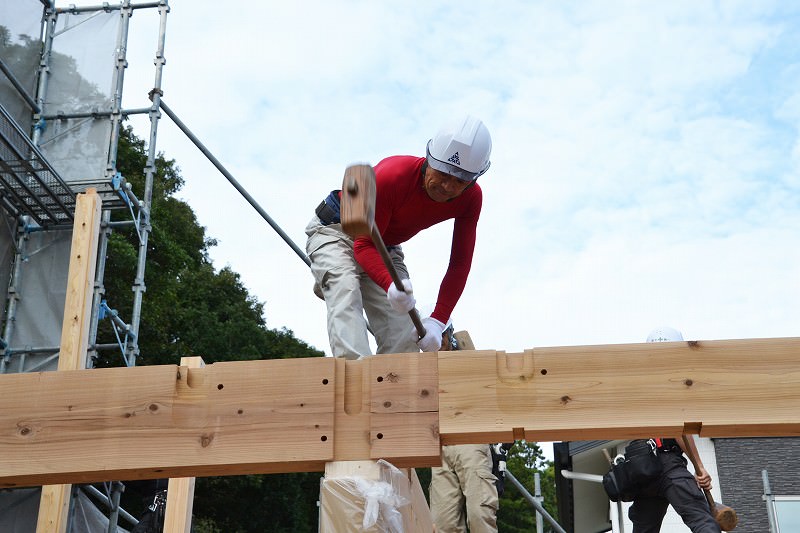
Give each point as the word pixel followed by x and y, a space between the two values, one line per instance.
pixel 645 171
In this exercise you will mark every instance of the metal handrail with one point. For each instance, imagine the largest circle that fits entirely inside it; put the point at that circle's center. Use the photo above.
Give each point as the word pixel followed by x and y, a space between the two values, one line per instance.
pixel 534 503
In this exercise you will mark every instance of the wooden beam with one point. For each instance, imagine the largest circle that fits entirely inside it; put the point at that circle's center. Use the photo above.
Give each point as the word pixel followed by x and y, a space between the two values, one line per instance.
pixel 292 415
pixel 180 502
pixel 224 419
pixel 356 414
pixel 80 282
pixel 180 490
pixel 53 509
pixel 725 388
pixel 54 501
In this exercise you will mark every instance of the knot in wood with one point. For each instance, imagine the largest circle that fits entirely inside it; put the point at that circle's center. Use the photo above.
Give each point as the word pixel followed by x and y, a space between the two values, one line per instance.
pixel 206 439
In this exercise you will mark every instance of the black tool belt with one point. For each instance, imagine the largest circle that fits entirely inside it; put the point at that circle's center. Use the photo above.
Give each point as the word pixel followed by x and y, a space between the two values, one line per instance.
pixel 632 472
pixel 669 446
pixel 329 209
pixel 670 449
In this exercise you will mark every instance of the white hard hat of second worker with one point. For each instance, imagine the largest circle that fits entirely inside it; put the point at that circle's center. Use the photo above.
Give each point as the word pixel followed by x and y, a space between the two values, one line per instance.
pixel 461 148
pixel 664 334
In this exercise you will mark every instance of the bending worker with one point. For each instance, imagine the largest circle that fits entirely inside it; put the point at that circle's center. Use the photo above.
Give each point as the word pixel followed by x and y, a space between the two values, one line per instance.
pixel 675 486
pixel 412 194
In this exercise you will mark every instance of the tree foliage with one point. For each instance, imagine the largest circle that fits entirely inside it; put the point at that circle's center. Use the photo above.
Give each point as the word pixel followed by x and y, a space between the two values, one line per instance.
pixel 516 515
pixel 189 307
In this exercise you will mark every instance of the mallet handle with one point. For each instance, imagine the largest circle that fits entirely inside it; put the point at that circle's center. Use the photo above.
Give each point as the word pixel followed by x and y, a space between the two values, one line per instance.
pixel 387 260
pixel 693 458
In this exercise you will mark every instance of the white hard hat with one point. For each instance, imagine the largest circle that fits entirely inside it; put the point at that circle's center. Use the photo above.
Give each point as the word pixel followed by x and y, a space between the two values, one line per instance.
pixel 461 149
pixel 664 334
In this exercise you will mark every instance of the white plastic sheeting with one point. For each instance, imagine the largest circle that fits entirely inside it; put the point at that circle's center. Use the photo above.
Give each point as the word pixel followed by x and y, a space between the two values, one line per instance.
pixel 82 66
pixel 364 504
pixel 22 19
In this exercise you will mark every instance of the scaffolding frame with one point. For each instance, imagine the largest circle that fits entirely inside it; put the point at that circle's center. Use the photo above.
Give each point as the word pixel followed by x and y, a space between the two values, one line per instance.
pixel 34 210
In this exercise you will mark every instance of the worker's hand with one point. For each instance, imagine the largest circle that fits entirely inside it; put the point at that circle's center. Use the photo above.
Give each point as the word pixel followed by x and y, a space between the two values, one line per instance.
pixel 402 302
pixel 432 341
pixel 703 479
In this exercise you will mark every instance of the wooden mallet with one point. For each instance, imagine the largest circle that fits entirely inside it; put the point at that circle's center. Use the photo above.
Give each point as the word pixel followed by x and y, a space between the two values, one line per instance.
pixel 358 219
pixel 724 515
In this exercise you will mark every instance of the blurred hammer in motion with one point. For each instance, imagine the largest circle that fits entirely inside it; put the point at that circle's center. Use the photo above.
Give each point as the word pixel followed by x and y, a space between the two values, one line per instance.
pixel 358 219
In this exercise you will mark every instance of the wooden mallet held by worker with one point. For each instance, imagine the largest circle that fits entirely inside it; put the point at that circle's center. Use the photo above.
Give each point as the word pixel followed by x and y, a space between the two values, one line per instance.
pixel 358 219
pixel 725 516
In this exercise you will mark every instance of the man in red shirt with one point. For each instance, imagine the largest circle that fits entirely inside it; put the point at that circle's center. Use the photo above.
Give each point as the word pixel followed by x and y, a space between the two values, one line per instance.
pixel 412 194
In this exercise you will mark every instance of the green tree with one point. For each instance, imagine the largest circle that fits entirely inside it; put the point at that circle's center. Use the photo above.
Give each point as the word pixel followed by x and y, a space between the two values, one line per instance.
pixel 190 308
pixel 516 515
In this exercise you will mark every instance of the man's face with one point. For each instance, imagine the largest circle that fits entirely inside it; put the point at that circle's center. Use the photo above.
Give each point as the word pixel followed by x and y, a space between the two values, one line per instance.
pixel 442 187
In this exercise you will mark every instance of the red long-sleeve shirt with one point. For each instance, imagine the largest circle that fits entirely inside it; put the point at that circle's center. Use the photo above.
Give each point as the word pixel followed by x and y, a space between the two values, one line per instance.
pixel 403 209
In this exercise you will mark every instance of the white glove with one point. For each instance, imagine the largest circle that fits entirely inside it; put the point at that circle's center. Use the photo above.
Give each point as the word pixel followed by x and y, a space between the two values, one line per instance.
pixel 402 302
pixel 432 341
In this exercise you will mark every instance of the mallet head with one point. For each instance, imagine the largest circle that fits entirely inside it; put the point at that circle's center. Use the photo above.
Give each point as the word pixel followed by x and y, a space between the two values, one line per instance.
pixel 726 517
pixel 358 200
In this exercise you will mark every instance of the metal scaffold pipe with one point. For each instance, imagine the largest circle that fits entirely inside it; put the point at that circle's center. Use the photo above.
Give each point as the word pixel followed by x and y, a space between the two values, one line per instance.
pixel 235 183
pixel 534 503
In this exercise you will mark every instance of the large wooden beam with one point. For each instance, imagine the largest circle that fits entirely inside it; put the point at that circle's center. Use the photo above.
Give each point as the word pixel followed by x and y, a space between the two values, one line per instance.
pixel 723 388
pixel 293 415
pixel 285 415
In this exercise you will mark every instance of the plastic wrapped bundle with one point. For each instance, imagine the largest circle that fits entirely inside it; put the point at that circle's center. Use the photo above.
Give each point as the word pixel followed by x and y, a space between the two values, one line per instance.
pixel 365 496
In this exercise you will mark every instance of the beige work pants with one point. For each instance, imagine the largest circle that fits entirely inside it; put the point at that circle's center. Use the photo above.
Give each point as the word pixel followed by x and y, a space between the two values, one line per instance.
pixel 463 492
pixel 349 293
